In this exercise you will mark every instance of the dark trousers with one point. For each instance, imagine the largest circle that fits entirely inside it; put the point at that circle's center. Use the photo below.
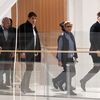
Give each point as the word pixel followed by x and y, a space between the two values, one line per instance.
pixel 94 70
pixel 66 75
pixel 1 73
pixel 8 70
pixel 6 65
pixel 27 75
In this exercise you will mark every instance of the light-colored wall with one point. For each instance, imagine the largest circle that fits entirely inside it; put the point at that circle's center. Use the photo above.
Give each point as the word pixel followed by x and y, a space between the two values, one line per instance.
pixel 5 8
pixel 8 14
pixel 50 13
pixel 83 13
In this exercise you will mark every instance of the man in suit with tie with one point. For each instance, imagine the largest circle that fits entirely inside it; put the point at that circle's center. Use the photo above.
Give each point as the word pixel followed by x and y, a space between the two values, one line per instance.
pixel 28 39
pixel 10 72
pixel 6 43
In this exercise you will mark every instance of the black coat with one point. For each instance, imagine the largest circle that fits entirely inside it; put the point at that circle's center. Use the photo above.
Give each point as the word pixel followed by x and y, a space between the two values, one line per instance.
pixel 8 44
pixel 95 37
pixel 26 42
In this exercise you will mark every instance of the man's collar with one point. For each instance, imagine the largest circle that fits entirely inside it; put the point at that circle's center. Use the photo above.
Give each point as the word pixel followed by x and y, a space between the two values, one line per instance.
pixel 98 22
pixel 33 26
pixel 4 28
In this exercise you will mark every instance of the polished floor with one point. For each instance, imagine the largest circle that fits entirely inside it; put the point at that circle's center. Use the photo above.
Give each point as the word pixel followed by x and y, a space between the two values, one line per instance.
pixel 41 82
pixel 38 98
pixel 49 93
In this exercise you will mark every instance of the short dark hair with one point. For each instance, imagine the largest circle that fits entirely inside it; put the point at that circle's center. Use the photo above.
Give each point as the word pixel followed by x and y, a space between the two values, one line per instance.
pixel 98 14
pixel 32 14
pixel 62 26
pixel 10 20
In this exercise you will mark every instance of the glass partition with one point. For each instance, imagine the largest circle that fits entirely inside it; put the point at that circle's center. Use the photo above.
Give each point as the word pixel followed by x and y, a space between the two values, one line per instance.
pixel 21 78
pixel 85 83
pixel 49 79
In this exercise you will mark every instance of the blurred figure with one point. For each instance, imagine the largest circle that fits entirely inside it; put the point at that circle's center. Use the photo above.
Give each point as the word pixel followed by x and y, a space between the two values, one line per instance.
pixel 28 39
pixel 11 25
pixel 9 73
pixel 95 46
pixel 6 43
pixel 66 42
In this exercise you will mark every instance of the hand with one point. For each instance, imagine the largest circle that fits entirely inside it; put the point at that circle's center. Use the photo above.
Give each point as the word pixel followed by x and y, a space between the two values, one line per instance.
pixel 75 60
pixel 23 55
pixel 98 53
pixel 0 49
pixel 36 54
pixel 60 63
pixel 12 55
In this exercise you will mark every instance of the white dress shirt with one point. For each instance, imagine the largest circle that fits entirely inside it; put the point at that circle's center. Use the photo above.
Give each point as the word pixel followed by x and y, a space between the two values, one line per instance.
pixel 34 33
pixel 5 33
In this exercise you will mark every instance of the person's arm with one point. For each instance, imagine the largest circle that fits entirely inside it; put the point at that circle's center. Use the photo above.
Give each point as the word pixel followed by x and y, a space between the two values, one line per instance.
pixel 0 49
pixel 20 41
pixel 94 37
pixel 13 41
pixel 75 49
pixel 38 46
pixel 60 46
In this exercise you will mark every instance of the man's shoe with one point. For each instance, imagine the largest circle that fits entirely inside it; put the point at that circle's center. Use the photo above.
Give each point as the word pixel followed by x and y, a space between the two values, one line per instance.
pixel 7 83
pixel 72 93
pixel 54 84
pixel 27 91
pixel 30 91
pixel 83 85
pixel 3 86
pixel 72 88
pixel 60 87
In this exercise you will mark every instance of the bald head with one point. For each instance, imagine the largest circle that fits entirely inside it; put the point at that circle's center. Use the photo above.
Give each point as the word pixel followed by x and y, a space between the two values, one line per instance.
pixel 5 22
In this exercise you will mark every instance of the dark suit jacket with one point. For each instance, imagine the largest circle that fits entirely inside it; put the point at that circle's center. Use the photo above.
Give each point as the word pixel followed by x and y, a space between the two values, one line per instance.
pixel 8 44
pixel 26 42
pixel 95 37
pixel 65 47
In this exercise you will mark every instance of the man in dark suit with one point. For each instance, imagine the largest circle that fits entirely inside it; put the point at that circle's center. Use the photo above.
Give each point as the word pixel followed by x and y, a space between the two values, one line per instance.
pixel 95 46
pixel 9 74
pixel 28 39
pixel 66 42
pixel 6 43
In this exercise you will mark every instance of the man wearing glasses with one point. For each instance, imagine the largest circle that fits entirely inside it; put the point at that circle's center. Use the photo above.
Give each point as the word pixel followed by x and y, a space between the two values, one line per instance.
pixel 66 42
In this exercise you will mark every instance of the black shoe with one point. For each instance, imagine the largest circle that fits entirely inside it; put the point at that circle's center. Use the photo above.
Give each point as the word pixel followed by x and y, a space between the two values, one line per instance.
pixel 7 84
pixel 27 91
pixel 72 88
pixel 54 84
pixel 30 91
pixel 3 86
pixel 83 85
pixel 57 85
pixel 60 87
pixel 72 93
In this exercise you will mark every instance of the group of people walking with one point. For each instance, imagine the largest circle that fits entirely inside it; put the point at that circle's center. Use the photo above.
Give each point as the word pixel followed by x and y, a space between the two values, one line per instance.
pixel 28 39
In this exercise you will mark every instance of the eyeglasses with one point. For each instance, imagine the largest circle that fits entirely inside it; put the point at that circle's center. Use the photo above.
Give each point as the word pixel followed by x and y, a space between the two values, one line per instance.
pixel 68 26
